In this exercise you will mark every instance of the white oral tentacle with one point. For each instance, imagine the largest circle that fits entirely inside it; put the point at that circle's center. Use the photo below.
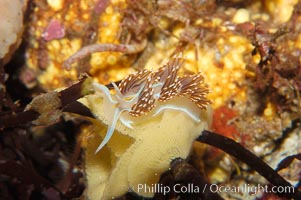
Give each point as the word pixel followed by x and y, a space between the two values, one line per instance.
pixel 110 107
pixel 103 89
pixel 123 103
pixel 113 109
pixel 118 93
pixel 126 106
pixel 110 131
pixel 127 122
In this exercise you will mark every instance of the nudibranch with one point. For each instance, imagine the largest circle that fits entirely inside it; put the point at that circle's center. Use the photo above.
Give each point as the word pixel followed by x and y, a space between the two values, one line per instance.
pixel 155 116
pixel 147 93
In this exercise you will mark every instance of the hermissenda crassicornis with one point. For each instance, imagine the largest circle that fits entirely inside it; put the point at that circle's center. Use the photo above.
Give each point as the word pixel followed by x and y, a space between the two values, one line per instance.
pixel 151 92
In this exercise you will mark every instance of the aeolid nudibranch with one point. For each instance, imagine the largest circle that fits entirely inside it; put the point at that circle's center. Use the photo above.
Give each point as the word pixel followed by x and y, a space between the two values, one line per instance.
pixel 140 93
pixel 155 117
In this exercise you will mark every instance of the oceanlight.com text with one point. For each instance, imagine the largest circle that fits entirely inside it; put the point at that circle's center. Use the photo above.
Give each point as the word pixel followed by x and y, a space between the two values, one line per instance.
pixel 214 188
pixel 250 189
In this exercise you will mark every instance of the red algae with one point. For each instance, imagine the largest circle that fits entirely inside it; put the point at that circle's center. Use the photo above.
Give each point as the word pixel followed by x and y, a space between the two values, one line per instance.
pixel 54 30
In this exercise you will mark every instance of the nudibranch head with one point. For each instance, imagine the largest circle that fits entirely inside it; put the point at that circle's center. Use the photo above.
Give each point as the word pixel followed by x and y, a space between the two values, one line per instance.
pixel 149 93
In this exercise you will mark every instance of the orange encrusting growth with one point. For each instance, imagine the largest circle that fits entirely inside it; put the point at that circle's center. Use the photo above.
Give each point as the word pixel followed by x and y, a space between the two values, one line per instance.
pixel 221 124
